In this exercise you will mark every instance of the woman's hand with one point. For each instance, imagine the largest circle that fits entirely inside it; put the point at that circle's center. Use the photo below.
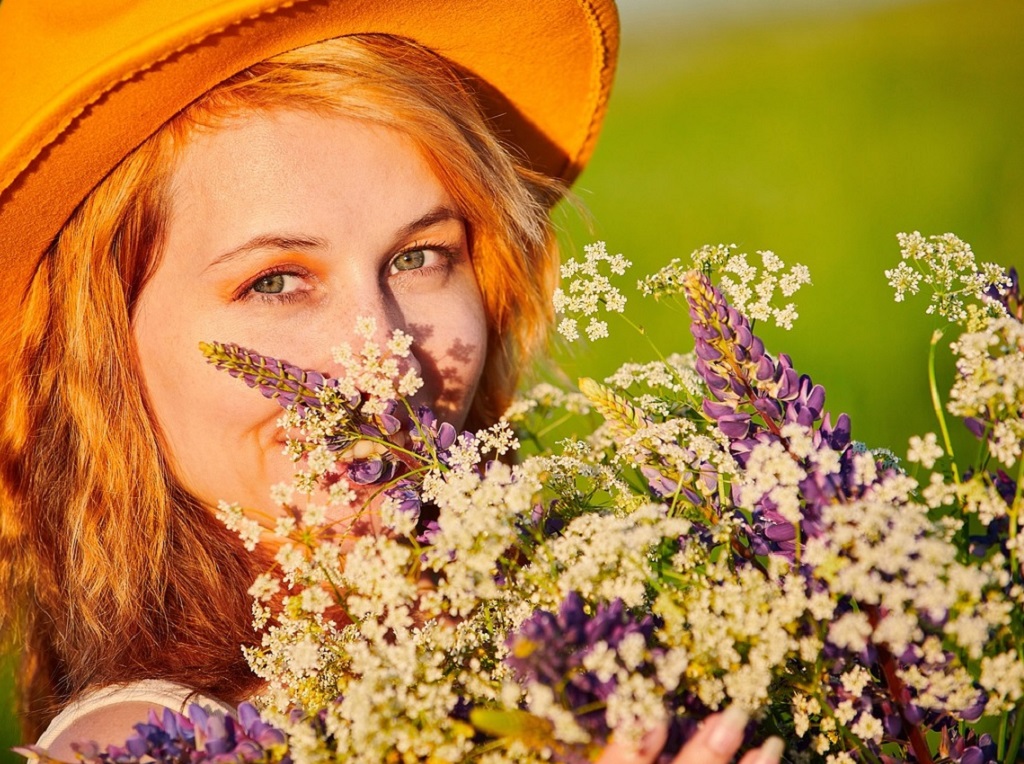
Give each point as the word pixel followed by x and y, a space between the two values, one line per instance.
pixel 716 742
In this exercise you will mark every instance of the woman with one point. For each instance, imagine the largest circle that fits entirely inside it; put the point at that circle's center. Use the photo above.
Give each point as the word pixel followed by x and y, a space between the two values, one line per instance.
pixel 261 174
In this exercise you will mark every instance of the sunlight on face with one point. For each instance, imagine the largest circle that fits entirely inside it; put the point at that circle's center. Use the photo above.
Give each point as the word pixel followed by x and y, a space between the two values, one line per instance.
pixel 284 228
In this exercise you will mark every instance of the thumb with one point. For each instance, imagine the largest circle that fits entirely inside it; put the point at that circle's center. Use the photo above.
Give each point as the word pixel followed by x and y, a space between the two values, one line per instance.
pixel 643 752
pixel 717 740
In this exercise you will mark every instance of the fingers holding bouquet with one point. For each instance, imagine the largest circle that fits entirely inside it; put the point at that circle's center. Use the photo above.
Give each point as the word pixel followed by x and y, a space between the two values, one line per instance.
pixel 716 742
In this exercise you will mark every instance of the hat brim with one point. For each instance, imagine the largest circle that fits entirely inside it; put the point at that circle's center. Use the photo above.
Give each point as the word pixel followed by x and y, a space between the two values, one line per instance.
pixel 86 83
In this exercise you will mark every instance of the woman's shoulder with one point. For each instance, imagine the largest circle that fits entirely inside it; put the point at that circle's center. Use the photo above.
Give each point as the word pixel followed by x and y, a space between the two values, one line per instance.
pixel 108 714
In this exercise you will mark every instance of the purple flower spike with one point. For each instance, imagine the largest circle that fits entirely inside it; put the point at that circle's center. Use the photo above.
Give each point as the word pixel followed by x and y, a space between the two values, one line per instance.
pixel 137 746
pixel 430 533
pixel 198 715
pixel 735 425
pixel 220 735
pixel 390 424
pixel 753 398
pixel 434 437
pixel 972 755
pixel 281 381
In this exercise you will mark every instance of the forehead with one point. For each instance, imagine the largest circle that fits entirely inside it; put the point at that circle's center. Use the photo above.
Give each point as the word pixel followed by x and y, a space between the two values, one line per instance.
pixel 332 175
pixel 293 145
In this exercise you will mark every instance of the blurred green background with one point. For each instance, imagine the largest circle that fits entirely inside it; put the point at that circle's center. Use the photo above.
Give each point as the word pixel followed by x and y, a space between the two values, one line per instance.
pixel 818 130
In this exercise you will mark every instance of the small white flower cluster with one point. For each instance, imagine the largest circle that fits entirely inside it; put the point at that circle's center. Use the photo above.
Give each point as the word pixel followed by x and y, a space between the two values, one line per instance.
pixel 710 258
pixel 885 552
pixel 382 373
pixel 401 699
pixel 675 374
pixel 773 473
pixel 545 397
pixel 990 384
pixel 947 265
pixel 588 290
pixel 665 282
pixel 604 557
pixel 924 451
pixel 1002 676
pixel 977 496
pixel 728 630
pixel 476 525
pixel 665 444
pixel 776 469
pixel 738 281
pixel 235 519
pixel 755 298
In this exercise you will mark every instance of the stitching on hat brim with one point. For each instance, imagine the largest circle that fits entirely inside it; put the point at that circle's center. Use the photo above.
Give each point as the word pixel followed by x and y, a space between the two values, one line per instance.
pixel 598 94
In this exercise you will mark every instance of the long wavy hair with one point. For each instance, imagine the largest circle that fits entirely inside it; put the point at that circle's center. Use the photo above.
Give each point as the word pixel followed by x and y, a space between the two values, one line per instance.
pixel 109 570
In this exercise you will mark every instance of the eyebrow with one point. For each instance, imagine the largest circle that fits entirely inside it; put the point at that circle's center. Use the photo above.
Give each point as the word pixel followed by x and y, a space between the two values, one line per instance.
pixel 437 215
pixel 270 241
pixel 440 214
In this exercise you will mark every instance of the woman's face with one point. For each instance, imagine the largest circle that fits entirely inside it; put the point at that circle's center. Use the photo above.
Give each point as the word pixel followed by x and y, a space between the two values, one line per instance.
pixel 283 228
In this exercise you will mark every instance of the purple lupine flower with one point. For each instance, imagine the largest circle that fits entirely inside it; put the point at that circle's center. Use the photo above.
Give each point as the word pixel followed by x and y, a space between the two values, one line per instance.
pixel 377 469
pixel 408 497
pixel 433 435
pixel 429 533
pixel 659 483
pixel 279 380
pixel 968 748
pixel 753 397
pixel 748 384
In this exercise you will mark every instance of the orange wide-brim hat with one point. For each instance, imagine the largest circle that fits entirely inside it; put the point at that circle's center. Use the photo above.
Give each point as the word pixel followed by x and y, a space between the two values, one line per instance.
pixel 84 82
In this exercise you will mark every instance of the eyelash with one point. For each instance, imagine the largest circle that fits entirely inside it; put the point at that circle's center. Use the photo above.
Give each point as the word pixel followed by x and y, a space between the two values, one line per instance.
pixel 447 251
pixel 246 292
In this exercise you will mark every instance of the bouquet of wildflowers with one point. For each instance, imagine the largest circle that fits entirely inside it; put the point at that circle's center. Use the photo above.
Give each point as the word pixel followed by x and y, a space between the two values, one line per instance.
pixel 719 538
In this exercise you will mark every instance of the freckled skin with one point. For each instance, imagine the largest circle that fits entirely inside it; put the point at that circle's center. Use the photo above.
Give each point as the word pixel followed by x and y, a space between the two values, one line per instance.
pixel 283 229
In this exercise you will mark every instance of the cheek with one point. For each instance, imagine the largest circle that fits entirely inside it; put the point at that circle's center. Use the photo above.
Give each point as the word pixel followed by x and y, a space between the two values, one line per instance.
pixel 453 352
pixel 217 434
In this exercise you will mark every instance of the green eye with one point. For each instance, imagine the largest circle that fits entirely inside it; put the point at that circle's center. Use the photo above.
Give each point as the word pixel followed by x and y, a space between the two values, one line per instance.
pixel 409 261
pixel 273 284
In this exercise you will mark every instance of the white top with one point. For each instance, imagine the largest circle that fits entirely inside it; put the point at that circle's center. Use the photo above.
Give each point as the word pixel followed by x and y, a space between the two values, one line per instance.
pixel 176 697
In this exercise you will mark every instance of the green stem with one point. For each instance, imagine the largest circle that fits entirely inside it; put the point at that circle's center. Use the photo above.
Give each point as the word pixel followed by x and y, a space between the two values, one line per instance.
pixel 1014 515
pixel 643 333
pixel 1018 735
pixel 937 404
pixel 1016 506
pixel 557 423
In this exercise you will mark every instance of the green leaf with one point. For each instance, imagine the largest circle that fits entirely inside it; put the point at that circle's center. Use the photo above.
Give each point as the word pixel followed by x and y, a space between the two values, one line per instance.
pixel 520 725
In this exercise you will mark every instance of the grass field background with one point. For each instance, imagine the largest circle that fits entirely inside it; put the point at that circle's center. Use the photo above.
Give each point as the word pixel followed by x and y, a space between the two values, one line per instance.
pixel 819 134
